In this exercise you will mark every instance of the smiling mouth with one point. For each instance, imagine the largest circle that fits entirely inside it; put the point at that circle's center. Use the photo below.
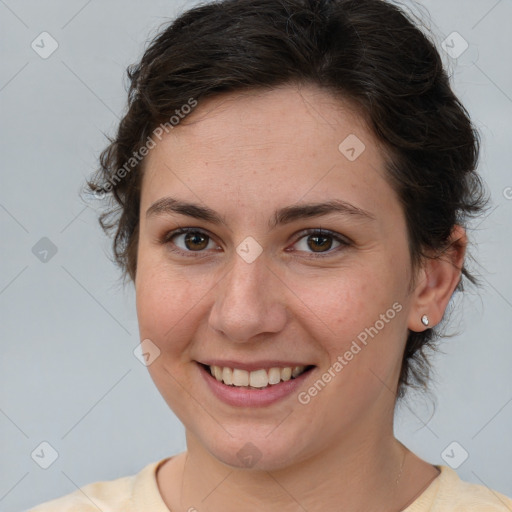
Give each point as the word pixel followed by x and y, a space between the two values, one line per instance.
pixel 257 379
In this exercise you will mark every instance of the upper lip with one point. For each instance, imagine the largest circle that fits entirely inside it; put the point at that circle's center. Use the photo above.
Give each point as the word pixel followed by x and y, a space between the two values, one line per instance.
pixel 253 365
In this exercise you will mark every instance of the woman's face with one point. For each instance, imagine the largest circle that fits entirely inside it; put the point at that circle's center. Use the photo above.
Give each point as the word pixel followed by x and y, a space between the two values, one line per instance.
pixel 255 286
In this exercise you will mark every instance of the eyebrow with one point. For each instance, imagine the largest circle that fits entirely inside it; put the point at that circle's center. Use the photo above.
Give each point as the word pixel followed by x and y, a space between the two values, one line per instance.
pixel 286 215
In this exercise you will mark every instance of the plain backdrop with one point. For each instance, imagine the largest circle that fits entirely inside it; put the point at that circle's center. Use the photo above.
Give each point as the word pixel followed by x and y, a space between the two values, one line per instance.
pixel 68 374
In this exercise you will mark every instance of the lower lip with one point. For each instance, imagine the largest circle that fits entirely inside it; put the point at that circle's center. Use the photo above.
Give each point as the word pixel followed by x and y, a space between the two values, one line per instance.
pixel 249 397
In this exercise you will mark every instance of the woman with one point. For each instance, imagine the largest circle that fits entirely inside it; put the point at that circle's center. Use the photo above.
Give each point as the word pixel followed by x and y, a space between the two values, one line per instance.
pixel 292 180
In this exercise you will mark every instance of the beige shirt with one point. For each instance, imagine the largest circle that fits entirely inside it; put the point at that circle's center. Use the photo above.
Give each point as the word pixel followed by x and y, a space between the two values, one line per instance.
pixel 139 493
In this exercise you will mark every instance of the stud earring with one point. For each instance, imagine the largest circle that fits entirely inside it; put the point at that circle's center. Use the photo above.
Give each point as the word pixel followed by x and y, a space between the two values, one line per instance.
pixel 424 320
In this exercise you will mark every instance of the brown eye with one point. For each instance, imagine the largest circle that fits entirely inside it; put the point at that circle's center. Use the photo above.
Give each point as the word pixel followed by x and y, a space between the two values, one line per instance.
pixel 188 240
pixel 319 242
pixel 196 241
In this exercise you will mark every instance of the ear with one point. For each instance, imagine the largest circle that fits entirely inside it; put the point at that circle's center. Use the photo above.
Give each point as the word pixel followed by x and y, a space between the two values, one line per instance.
pixel 436 281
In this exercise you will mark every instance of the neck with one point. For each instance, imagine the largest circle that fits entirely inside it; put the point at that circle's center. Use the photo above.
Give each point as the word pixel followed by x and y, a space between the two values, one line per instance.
pixel 350 476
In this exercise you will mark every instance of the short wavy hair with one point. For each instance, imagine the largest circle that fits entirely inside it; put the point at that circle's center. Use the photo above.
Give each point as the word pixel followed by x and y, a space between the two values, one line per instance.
pixel 369 52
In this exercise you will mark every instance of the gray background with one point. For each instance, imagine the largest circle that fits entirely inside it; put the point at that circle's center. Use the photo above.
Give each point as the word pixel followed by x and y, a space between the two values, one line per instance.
pixel 68 375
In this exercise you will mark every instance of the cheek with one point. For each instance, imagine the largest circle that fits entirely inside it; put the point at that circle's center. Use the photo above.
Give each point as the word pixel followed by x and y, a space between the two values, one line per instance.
pixel 358 321
pixel 168 305
pixel 347 301
pixel 358 313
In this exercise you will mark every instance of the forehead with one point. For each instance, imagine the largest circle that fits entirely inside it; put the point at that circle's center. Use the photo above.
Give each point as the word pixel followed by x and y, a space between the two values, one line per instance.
pixel 285 116
pixel 259 147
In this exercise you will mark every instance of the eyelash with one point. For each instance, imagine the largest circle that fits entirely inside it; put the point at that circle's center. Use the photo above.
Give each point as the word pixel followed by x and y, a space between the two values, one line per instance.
pixel 167 240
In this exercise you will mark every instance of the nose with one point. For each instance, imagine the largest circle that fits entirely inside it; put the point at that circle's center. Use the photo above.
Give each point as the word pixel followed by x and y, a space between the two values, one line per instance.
pixel 249 300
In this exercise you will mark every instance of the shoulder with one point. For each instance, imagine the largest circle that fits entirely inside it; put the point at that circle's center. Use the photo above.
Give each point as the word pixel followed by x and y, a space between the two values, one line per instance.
pixel 448 493
pixel 108 496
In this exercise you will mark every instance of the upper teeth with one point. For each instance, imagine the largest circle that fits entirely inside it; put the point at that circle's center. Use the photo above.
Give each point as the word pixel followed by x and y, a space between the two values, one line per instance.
pixel 256 379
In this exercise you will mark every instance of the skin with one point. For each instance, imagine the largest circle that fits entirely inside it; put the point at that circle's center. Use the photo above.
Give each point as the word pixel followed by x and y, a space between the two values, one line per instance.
pixel 245 155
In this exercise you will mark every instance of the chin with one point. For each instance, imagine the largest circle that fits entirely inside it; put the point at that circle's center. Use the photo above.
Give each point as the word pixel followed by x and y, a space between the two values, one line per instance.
pixel 256 451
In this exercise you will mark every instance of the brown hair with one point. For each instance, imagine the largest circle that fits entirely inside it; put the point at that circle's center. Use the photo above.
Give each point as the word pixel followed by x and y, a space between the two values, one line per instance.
pixel 366 51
